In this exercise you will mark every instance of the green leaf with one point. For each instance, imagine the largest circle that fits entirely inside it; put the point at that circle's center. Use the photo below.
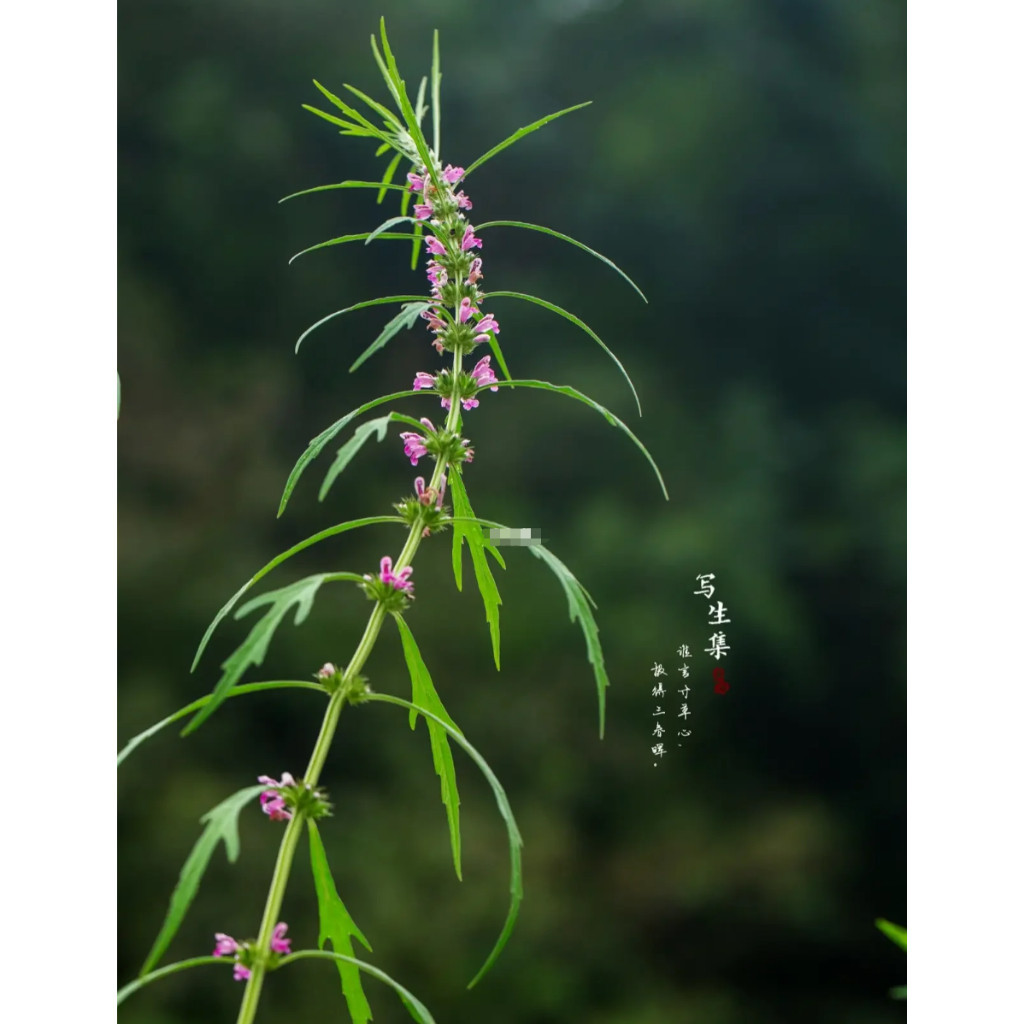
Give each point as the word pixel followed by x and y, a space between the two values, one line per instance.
pixel 351 111
pixel 382 149
pixel 342 239
pixel 181 965
pixel 565 389
pixel 337 926
pixel 435 94
pixel 254 648
pixel 383 301
pixel 275 562
pixel 350 128
pixel 221 826
pixel 417 241
pixel 389 223
pixel 893 932
pixel 515 840
pixel 411 122
pixel 579 609
pixel 420 101
pixel 478 545
pixel 424 694
pixel 238 691
pixel 317 445
pixel 381 185
pixel 515 137
pixel 579 323
pixel 496 349
pixel 565 238
pixel 900 992
pixel 416 1009
pixel 347 452
pixel 389 173
pixel 407 318
pixel 388 116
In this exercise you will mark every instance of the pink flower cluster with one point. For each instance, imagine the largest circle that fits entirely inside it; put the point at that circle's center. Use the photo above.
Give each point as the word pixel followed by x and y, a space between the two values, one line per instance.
pixel 427 495
pixel 227 946
pixel 399 580
pixel 482 375
pixel 271 800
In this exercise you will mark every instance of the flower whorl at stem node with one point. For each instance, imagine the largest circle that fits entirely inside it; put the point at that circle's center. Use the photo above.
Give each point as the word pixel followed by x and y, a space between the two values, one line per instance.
pixel 437 442
pixel 245 952
pixel 392 590
pixel 281 800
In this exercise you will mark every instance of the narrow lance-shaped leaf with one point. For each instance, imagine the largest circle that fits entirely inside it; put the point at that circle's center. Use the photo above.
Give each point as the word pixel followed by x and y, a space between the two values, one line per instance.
pixel 324 438
pixel 331 531
pixel 337 927
pixel 347 452
pixel 381 185
pixel 238 691
pixel 478 545
pixel 424 694
pixel 515 840
pixel 221 826
pixel 382 301
pixel 379 107
pixel 350 111
pixel 565 238
pixel 565 389
pixel 516 136
pixel 579 323
pixel 435 93
pixel 254 648
pixel 181 965
pixel 417 1010
pixel 893 931
pixel 389 173
pixel 579 609
pixel 408 317
pixel 342 239
pixel 389 223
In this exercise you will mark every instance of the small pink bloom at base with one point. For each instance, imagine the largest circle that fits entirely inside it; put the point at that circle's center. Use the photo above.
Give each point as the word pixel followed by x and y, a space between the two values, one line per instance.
pixel 278 943
pixel 466 310
pixel 434 245
pixel 423 380
pixel 326 672
pixel 423 211
pixel 483 374
pixel 415 181
pixel 470 241
pixel 242 972
pixel 399 580
pixel 474 271
pixel 463 200
pixel 226 946
pixel 452 174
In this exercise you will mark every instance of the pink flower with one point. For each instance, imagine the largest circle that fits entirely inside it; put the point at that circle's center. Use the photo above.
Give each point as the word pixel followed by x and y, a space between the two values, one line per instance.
pixel 466 310
pixel 226 946
pixel 469 403
pixel 430 315
pixel 483 374
pixel 435 246
pixel 325 673
pixel 474 271
pixel 423 211
pixel 436 274
pixel 416 182
pixel 463 200
pixel 242 972
pixel 399 580
pixel 439 345
pixel 278 943
pixel 488 323
pixel 271 801
pixel 452 174
pixel 423 380
pixel 470 241
pixel 469 451
pixel 415 446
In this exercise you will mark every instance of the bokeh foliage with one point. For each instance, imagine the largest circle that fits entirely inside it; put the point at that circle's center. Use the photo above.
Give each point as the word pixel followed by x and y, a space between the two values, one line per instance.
pixel 743 161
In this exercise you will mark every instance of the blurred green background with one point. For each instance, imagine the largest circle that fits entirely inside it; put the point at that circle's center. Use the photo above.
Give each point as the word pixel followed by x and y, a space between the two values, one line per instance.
pixel 743 160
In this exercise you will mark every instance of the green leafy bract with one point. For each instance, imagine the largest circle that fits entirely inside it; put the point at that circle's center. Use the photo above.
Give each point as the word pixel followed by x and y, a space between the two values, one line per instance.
pixel 416 1009
pixel 478 545
pixel 331 531
pixel 579 609
pixel 342 239
pixel 565 389
pixel 380 185
pixel 407 318
pixel 337 926
pixel 579 323
pixel 238 691
pixel 221 826
pixel 347 452
pixel 424 694
pixel 515 840
pixel 565 238
pixel 383 301
pixel 324 438
pixel 254 648
pixel 516 136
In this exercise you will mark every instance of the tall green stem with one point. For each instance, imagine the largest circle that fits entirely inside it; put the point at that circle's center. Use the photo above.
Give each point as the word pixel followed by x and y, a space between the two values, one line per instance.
pixel 290 840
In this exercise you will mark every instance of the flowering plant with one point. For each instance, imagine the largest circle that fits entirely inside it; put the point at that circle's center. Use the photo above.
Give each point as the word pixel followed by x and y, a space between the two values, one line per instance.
pixel 453 314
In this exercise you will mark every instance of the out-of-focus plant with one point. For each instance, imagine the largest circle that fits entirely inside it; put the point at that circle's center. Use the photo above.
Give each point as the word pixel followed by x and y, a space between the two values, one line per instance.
pixel 438 222
pixel 899 936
